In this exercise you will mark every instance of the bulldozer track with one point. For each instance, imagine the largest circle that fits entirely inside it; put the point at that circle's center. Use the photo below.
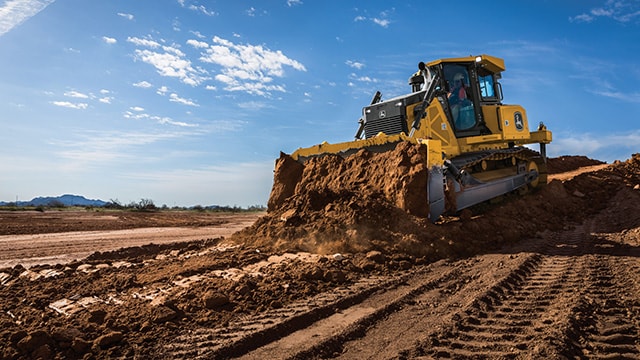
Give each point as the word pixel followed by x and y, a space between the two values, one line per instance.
pixel 457 310
pixel 608 317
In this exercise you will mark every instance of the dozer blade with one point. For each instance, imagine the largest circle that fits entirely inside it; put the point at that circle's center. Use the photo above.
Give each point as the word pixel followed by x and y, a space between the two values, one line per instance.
pixel 380 143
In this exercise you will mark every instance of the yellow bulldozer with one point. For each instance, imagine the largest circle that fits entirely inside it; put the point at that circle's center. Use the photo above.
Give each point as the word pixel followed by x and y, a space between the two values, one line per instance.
pixel 475 143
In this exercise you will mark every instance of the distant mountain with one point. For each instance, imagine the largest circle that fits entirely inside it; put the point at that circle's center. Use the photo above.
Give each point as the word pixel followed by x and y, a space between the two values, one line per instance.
pixel 66 200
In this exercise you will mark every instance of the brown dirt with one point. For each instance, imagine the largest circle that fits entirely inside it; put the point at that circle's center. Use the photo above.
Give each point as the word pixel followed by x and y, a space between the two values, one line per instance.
pixel 31 238
pixel 550 274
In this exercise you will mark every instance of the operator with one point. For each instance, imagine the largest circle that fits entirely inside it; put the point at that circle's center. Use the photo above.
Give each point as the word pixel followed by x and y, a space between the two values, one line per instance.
pixel 458 92
pixel 457 97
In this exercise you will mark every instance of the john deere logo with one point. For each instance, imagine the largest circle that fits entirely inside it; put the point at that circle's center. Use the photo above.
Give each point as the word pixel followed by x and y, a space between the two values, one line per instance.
pixel 382 114
pixel 517 119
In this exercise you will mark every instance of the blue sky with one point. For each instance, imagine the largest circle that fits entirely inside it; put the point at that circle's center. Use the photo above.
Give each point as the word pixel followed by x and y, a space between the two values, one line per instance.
pixel 190 102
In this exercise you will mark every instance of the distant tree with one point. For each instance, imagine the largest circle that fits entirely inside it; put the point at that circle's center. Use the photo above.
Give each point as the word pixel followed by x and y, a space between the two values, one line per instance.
pixel 146 205
pixel 114 204
pixel 256 208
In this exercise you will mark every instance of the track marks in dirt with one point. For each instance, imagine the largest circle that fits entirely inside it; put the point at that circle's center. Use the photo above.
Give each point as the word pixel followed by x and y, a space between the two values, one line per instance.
pixel 519 315
pixel 607 322
pixel 340 322
pixel 243 335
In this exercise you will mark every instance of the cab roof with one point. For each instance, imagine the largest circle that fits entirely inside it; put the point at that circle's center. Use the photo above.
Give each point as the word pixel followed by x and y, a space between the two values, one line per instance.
pixel 490 63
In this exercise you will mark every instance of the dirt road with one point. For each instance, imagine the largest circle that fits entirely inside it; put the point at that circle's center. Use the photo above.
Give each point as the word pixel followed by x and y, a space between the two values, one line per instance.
pixel 551 275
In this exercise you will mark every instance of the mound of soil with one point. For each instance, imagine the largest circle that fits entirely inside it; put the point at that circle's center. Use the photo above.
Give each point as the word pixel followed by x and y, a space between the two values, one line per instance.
pixel 375 201
pixel 568 163
pixel 332 204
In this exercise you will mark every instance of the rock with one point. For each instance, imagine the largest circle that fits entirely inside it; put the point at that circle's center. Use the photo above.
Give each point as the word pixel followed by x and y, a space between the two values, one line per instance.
pixel 80 345
pixel 289 214
pixel 405 265
pixel 578 194
pixel 335 276
pixel 43 352
pixel 366 264
pixel 338 257
pixel 65 334
pixel 34 340
pixel 17 336
pixel 214 299
pixel 376 256
pixel 109 339
pixel 637 187
pixel 97 316
pixel 162 314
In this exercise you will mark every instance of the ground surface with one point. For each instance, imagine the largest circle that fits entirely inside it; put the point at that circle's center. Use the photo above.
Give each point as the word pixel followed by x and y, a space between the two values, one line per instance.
pixel 30 237
pixel 553 274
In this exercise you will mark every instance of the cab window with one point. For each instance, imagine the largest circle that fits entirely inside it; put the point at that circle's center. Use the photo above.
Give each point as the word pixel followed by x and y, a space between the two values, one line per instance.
pixel 486 86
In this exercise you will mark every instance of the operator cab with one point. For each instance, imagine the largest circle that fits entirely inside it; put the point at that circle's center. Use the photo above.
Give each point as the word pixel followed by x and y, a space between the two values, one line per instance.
pixel 466 84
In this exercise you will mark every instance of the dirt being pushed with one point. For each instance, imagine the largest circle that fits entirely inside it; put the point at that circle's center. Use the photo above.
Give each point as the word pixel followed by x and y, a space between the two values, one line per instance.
pixel 333 204
pixel 376 201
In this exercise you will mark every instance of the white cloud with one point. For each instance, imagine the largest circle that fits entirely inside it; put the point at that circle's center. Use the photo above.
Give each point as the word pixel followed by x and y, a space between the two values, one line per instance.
pixel 144 42
pixel 143 84
pixel 175 98
pixel 106 99
pixel 294 2
pixel 197 44
pixel 109 40
pixel 198 8
pixel 622 11
pixel 137 108
pixel 137 114
pixel 76 94
pixel 162 90
pixel 70 105
pixel 202 9
pixel 167 120
pixel 15 12
pixel 126 16
pixel 198 34
pixel 382 22
pixel 172 63
pixel 362 78
pixel 248 68
pixel 355 64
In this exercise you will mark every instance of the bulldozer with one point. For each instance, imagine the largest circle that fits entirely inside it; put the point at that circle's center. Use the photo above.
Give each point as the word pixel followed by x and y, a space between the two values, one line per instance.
pixel 475 144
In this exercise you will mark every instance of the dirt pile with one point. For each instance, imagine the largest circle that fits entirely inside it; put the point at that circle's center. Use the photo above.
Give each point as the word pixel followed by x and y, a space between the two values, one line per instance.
pixel 375 202
pixel 333 204
pixel 568 163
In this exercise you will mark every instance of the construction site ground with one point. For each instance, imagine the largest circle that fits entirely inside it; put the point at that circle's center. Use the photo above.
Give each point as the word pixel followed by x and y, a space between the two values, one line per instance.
pixel 552 273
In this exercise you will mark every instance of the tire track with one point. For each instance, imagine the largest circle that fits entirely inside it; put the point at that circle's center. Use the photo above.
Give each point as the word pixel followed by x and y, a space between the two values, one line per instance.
pixel 251 332
pixel 521 314
pixel 608 318
pixel 318 325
